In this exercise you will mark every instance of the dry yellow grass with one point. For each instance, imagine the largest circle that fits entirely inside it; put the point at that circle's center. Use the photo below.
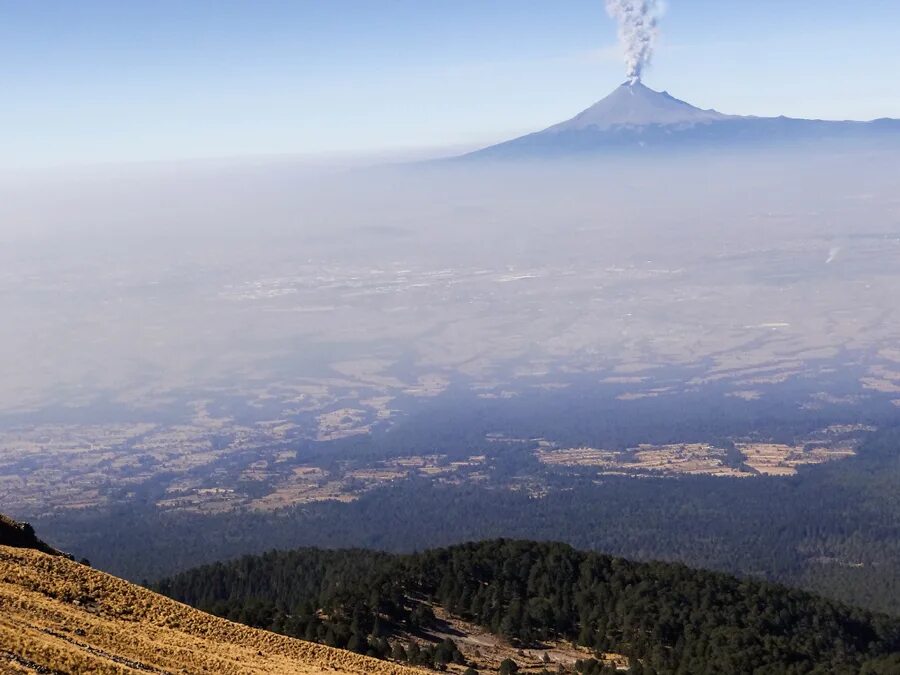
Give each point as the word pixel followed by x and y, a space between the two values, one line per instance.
pixel 57 616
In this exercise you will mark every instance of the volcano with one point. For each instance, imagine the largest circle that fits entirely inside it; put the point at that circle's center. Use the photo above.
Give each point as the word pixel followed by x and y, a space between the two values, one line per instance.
pixel 635 118
pixel 634 105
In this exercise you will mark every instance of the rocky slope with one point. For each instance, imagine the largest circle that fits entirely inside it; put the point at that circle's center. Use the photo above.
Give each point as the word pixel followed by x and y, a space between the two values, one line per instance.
pixel 21 535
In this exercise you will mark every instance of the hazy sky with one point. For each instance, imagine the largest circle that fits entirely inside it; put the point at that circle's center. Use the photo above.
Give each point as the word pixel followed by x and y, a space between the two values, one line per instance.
pixel 107 80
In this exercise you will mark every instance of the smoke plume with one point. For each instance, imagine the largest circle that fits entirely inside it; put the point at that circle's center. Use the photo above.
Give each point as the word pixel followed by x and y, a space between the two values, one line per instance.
pixel 637 31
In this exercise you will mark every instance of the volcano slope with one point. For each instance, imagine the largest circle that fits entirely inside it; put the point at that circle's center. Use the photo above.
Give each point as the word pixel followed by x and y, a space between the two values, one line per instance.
pixel 58 616
pixel 635 119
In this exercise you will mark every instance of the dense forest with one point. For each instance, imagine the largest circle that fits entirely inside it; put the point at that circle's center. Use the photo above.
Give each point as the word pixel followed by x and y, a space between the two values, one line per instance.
pixel 666 618
pixel 832 529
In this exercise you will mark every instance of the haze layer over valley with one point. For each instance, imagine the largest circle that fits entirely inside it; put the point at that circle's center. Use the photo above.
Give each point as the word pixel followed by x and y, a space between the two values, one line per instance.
pixel 214 323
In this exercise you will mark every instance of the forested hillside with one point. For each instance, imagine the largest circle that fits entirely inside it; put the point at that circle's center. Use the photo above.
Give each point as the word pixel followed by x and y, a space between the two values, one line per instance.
pixel 666 618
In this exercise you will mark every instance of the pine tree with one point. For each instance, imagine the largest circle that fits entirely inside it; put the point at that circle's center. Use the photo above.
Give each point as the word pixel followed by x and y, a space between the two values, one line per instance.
pixel 398 653
pixel 508 667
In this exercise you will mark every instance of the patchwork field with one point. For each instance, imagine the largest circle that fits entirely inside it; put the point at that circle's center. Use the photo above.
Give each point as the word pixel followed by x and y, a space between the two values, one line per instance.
pixel 743 459
pixel 212 464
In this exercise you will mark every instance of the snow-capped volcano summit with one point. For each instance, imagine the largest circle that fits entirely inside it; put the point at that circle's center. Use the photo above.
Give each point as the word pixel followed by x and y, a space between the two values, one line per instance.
pixel 635 105
pixel 637 119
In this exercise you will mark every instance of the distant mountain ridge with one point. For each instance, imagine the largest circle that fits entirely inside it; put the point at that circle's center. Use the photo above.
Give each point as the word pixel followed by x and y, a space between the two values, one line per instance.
pixel 634 118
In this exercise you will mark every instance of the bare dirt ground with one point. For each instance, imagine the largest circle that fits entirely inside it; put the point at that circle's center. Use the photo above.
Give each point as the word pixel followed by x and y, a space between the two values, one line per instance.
pixel 485 651
pixel 57 616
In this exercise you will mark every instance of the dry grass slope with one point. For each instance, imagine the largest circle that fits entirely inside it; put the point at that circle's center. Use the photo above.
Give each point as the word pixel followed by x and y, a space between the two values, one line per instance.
pixel 57 616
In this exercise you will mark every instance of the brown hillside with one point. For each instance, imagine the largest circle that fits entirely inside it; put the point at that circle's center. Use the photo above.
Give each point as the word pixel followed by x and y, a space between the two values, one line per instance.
pixel 57 616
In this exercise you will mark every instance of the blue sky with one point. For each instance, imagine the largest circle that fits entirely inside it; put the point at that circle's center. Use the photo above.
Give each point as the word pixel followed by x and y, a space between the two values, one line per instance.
pixel 105 81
